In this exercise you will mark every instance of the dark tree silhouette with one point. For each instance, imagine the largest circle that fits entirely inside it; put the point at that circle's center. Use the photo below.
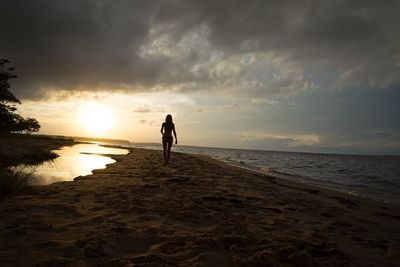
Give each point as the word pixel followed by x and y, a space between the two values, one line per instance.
pixel 28 125
pixel 10 121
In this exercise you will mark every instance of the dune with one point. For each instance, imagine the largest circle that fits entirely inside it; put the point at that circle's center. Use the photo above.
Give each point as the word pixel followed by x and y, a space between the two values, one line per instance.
pixel 194 212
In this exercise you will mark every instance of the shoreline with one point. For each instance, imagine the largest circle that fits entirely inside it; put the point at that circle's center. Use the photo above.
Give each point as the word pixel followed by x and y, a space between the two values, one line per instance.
pixel 297 184
pixel 239 167
pixel 319 186
pixel 198 210
pixel 302 180
pixel 252 169
pixel 59 143
pixel 370 177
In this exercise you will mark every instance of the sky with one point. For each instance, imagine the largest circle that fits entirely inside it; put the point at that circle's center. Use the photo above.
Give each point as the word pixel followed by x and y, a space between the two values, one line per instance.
pixel 304 75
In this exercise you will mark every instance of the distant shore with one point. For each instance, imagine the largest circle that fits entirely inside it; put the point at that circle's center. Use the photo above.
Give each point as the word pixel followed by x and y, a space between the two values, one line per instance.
pixel 194 212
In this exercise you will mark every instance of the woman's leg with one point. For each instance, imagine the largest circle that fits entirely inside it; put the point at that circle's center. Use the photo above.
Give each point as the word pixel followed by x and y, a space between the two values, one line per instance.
pixel 169 145
pixel 164 151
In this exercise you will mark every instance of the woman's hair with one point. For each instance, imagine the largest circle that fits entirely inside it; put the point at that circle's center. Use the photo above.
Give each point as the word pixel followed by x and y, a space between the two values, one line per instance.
pixel 168 119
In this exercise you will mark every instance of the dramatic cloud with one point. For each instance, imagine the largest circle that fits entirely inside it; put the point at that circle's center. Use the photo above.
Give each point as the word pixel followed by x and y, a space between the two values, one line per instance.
pixel 255 48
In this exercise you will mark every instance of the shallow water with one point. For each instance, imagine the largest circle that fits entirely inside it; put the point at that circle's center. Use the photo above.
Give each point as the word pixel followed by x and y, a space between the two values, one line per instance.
pixel 72 162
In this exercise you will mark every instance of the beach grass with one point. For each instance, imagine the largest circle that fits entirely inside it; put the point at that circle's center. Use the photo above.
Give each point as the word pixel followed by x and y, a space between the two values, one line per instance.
pixel 16 172
pixel 15 179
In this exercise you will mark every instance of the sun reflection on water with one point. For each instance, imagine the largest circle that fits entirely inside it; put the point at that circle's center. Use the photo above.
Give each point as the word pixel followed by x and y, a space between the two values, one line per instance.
pixel 73 163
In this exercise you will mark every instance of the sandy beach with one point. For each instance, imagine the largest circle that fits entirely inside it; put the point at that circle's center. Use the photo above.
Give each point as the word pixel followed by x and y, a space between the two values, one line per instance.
pixel 194 212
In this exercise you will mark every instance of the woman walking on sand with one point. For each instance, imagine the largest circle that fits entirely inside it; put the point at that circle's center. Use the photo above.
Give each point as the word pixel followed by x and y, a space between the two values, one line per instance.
pixel 166 130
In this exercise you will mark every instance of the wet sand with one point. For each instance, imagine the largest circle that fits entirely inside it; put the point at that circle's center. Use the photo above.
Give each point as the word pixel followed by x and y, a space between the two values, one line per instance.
pixel 194 212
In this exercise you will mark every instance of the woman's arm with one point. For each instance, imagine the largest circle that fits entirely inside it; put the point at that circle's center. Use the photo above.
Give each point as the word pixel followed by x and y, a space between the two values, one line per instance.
pixel 176 138
pixel 162 127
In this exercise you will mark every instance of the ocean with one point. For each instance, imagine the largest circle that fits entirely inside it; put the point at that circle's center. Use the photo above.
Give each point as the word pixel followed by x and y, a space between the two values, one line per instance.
pixel 374 177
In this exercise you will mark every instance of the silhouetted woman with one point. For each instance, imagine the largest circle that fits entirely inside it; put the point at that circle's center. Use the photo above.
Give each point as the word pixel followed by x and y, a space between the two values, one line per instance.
pixel 166 129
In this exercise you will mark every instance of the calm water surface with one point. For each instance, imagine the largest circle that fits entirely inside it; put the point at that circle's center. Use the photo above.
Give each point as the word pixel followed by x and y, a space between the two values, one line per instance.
pixel 74 162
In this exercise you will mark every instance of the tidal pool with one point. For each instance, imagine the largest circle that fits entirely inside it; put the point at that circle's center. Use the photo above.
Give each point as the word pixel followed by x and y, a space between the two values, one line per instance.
pixel 74 161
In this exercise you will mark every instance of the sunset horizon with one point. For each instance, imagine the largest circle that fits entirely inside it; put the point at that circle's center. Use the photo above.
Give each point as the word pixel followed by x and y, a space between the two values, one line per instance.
pixel 310 79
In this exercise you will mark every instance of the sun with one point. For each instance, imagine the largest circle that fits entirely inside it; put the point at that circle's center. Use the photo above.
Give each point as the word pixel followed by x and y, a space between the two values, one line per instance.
pixel 97 118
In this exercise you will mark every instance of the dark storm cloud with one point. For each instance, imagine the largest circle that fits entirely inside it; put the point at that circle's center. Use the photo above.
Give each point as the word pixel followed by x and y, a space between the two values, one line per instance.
pixel 70 44
pixel 332 43
pixel 239 47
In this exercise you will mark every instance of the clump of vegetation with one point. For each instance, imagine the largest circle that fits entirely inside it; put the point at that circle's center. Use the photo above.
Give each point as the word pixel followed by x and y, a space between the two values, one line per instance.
pixel 14 179
pixel 10 121
pixel 27 150
pixel 15 174
pixel 38 155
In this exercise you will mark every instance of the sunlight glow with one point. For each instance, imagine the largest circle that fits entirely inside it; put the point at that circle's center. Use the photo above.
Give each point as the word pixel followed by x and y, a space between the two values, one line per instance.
pixel 97 118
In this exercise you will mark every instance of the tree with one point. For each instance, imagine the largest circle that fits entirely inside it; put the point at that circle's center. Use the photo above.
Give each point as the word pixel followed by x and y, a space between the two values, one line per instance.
pixel 10 121
pixel 28 126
